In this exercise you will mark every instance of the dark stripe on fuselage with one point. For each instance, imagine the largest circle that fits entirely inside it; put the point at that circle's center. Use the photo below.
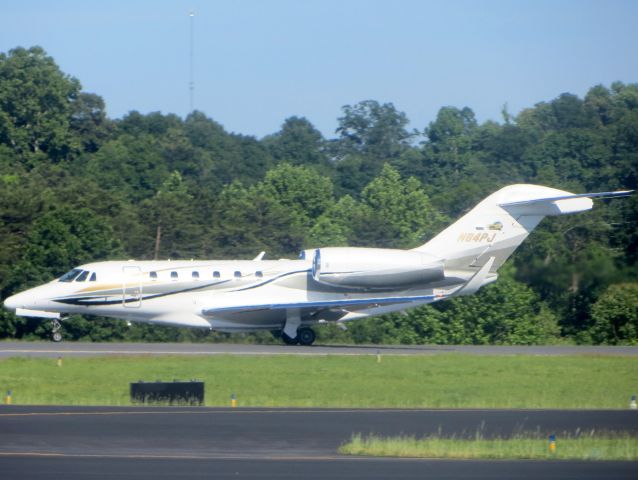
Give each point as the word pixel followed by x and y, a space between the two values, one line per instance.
pixel 85 301
pixel 270 280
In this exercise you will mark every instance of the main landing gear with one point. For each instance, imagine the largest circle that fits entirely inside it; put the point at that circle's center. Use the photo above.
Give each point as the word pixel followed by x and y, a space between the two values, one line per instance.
pixel 56 336
pixel 305 336
pixel 293 333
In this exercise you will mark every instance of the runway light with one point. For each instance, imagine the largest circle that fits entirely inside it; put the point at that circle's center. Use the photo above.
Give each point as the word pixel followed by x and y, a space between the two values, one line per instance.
pixel 7 399
pixel 378 357
pixel 552 443
pixel 59 361
pixel 632 403
pixel 233 400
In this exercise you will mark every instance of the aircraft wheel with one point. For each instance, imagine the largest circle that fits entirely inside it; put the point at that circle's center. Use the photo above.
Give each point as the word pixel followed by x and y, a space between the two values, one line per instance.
pixel 288 340
pixel 306 336
pixel 57 337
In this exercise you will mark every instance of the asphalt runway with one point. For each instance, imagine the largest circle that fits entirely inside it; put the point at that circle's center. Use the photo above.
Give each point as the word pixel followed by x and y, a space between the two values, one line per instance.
pixel 143 442
pixel 51 349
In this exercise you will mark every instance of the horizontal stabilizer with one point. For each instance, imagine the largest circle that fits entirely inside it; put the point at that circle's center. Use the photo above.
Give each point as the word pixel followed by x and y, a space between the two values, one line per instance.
pixel 560 204
pixel 620 193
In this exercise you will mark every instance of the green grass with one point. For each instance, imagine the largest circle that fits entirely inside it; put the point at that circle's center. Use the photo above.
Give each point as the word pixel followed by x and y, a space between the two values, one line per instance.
pixel 441 381
pixel 586 447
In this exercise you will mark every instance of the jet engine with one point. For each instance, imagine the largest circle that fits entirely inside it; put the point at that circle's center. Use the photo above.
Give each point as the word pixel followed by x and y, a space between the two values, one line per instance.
pixel 374 268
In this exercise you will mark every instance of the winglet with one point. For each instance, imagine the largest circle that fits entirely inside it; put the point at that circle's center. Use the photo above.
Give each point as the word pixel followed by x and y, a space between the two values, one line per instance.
pixel 259 257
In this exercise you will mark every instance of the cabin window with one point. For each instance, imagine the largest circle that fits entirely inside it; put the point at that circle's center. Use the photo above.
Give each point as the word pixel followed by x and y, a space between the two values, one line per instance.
pixel 70 276
pixel 82 276
pixel 237 274
pixel 152 275
pixel 174 275
pixel 93 277
pixel 259 274
pixel 216 274
pixel 195 275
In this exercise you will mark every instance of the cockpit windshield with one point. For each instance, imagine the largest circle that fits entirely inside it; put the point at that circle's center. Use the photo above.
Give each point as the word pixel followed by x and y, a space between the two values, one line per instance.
pixel 70 276
pixel 82 276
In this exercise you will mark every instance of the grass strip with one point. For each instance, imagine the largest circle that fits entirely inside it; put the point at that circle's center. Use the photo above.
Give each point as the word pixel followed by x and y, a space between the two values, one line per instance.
pixel 613 447
pixel 441 381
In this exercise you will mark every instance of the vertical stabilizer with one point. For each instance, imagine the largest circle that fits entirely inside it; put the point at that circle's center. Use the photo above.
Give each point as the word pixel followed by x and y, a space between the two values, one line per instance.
pixel 499 224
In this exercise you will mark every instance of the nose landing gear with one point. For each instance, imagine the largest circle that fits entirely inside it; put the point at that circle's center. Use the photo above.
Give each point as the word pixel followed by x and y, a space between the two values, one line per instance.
pixel 56 336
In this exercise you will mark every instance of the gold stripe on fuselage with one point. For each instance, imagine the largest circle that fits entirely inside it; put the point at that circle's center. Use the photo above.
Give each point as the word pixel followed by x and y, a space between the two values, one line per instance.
pixel 96 288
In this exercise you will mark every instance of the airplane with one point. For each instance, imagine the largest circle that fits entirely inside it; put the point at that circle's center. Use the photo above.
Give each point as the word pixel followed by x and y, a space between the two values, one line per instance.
pixel 324 285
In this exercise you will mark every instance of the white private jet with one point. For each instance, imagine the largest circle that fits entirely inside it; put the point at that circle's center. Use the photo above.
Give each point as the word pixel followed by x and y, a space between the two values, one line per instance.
pixel 323 285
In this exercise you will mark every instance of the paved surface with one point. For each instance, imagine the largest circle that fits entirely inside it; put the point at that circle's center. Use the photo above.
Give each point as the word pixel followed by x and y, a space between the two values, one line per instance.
pixel 127 442
pixel 50 468
pixel 51 349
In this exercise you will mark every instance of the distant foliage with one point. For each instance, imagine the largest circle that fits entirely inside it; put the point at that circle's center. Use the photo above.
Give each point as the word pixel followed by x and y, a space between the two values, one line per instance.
pixel 615 315
pixel 77 186
pixel 36 106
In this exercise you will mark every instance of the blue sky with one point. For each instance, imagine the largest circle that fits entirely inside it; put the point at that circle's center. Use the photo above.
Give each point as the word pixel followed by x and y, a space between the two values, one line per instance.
pixel 258 62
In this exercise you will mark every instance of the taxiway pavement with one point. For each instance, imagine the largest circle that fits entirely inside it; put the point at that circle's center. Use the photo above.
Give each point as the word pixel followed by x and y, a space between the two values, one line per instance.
pixel 144 442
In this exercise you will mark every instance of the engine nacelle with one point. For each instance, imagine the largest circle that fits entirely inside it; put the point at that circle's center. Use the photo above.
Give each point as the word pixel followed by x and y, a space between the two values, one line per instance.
pixel 374 268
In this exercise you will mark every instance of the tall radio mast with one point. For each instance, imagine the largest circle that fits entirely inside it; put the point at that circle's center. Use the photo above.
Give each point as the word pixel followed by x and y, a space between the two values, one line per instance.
pixel 191 85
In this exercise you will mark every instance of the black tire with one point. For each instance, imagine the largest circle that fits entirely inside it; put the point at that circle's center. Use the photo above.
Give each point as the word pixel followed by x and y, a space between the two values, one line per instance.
pixel 306 336
pixel 57 337
pixel 288 340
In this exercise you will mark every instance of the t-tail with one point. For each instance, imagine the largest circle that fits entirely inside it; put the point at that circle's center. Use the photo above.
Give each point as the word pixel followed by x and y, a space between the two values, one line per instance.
pixel 484 238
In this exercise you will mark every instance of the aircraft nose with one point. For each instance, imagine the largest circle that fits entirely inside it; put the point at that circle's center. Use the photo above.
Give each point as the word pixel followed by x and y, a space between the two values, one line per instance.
pixel 11 303
pixel 15 301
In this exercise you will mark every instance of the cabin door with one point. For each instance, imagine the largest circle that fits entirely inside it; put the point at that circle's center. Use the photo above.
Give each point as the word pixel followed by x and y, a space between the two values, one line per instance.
pixel 131 287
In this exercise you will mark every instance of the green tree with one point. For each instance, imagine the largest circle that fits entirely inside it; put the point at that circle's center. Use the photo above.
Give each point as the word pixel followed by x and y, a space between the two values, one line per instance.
pixel 615 315
pixel 36 103
pixel 17 212
pixel 334 228
pixel 568 262
pixel 394 213
pixel 301 190
pixel 371 128
pixel 450 140
pixel 154 123
pixel 249 220
pixel 451 129
pixel 171 216
pixel 233 157
pixel 62 239
pixel 506 312
pixel 370 134
pixel 89 122
pixel 132 166
pixel 298 142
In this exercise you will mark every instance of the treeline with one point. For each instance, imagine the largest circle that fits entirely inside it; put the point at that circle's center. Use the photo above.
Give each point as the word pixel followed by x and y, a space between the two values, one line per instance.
pixel 77 186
